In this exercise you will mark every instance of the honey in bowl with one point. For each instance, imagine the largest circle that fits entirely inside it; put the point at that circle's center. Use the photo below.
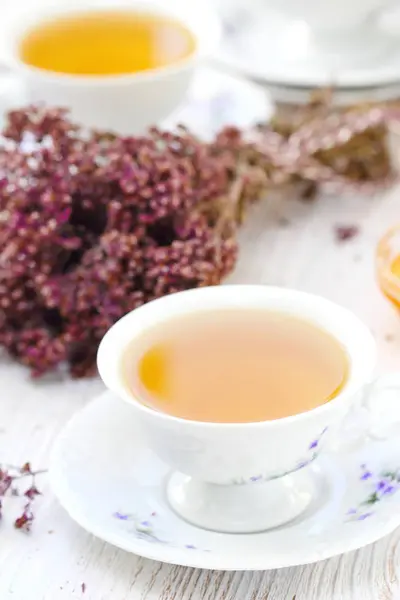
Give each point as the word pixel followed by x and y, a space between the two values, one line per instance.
pixel 388 265
pixel 235 366
pixel 106 42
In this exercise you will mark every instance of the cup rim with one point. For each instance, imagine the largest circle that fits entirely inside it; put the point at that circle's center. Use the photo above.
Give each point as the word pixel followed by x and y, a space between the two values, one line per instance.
pixel 205 41
pixel 350 389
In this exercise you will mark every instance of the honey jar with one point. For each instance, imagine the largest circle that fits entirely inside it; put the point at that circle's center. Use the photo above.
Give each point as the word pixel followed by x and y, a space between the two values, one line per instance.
pixel 388 265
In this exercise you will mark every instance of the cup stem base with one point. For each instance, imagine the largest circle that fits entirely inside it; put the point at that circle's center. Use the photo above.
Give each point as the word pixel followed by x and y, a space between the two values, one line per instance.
pixel 241 508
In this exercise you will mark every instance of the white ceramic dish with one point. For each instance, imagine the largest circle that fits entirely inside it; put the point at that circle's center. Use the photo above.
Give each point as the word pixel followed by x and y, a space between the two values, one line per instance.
pixel 301 94
pixel 114 487
pixel 215 464
pixel 127 104
pixel 264 44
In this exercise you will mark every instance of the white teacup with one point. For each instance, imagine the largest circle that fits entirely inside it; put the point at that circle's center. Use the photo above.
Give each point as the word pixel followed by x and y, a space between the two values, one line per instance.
pixel 245 477
pixel 126 104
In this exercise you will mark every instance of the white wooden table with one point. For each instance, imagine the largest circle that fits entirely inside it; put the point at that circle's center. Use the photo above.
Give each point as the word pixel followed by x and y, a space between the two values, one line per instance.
pixel 58 557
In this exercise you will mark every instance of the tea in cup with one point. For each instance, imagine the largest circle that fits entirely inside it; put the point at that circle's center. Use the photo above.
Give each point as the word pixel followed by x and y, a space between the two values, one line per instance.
pixel 115 67
pixel 235 366
pixel 238 389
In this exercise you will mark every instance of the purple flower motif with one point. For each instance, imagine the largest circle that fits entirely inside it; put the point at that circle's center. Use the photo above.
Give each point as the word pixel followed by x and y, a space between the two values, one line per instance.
pixel 121 516
pixel 145 523
pixel 313 450
pixel 303 464
pixel 389 489
pixel 352 511
pixel 315 443
pixel 385 483
pixel 364 516
pixel 143 530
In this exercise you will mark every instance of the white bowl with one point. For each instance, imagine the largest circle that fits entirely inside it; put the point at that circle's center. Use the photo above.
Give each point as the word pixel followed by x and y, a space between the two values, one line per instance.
pixel 126 104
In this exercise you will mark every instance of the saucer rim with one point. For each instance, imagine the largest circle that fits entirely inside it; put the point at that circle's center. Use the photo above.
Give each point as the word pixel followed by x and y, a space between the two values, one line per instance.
pixel 287 74
pixel 349 80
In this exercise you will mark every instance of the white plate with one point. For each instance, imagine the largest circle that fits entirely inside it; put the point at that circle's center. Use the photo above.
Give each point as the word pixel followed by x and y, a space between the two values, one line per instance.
pixel 217 99
pixel 260 43
pixel 114 487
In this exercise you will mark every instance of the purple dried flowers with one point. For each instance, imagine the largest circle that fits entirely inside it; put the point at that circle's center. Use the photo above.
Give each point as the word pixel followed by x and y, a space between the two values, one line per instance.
pixel 9 478
pixel 343 233
pixel 93 225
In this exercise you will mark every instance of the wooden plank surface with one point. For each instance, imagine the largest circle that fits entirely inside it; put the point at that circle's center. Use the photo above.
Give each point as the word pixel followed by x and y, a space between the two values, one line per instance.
pixel 57 557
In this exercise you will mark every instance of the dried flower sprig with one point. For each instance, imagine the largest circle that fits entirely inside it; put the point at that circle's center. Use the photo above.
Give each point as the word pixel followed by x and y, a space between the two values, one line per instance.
pixel 10 476
pixel 343 149
pixel 93 225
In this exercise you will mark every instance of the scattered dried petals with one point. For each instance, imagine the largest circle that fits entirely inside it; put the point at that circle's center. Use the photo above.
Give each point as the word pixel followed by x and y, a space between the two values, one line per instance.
pixel 25 521
pixel 344 233
pixel 5 482
pixel 32 492
pixel 9 478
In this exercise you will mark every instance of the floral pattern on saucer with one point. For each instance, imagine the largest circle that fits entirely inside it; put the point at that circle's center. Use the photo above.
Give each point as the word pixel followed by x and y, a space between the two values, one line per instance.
pixel 383 485
pixel 144 529
pixel 132 511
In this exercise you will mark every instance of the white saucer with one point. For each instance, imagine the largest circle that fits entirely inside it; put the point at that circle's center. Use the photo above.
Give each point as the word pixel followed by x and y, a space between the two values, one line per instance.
pixel 214 99
pixel 264 45
pixel 217 99
pixel 114 487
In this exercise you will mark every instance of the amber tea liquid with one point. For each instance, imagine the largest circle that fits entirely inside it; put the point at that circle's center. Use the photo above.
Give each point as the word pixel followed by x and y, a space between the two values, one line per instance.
pixel 106 43
pixel 235 366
